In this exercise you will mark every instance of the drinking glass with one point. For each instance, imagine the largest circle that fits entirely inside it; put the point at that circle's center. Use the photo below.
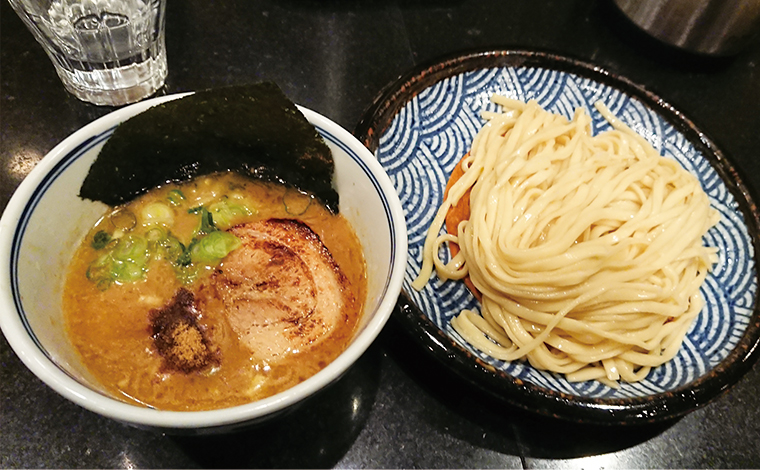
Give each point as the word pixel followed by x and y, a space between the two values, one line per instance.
pixel 107 52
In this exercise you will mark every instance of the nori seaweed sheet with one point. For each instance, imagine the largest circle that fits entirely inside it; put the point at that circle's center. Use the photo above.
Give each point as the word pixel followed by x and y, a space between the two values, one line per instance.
pixel 253 129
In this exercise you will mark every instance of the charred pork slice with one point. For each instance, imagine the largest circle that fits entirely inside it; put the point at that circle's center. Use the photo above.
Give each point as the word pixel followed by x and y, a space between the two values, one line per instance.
pixel 281 291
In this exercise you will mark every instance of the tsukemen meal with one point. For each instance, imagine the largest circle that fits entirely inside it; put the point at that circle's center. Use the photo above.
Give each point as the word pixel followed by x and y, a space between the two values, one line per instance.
pixel 223 271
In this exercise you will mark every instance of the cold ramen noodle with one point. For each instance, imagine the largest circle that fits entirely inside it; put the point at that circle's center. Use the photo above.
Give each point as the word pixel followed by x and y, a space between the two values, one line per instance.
pixel 585 251
pixel 214 292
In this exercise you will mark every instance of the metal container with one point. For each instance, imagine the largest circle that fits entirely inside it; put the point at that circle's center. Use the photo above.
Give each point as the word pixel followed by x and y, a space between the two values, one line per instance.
pixel 712 27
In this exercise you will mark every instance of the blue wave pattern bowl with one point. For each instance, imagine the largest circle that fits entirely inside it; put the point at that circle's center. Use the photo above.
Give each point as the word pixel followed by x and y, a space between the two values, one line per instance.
pixel 421 132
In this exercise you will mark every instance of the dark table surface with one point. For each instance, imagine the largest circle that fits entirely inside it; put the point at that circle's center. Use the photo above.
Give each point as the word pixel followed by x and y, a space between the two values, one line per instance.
pixel 396 407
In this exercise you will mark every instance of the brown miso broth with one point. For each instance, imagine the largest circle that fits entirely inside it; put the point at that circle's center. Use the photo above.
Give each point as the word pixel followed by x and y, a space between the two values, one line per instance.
pixel 110 325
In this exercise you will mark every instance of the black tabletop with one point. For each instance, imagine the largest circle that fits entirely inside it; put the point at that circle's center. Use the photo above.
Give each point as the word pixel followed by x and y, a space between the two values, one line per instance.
pixel 397 407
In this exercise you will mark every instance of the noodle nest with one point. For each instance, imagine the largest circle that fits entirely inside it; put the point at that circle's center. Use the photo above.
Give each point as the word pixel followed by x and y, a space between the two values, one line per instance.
pixel 585 251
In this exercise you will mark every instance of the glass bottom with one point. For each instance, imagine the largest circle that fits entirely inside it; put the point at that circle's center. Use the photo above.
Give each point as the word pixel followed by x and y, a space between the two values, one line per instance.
pixel 115 86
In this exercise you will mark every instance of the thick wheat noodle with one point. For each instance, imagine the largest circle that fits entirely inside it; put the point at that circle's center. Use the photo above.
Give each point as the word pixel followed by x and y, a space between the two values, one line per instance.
pixel 585 251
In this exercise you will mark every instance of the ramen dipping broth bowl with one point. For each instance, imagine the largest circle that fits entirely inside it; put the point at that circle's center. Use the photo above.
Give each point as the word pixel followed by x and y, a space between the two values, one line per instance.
pixel 46 220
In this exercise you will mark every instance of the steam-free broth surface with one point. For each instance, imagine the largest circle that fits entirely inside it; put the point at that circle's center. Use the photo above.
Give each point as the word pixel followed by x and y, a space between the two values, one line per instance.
pixel 113 325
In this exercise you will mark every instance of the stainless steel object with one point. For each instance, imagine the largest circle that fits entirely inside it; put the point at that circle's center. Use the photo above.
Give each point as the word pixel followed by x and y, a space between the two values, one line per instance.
pixel 713 27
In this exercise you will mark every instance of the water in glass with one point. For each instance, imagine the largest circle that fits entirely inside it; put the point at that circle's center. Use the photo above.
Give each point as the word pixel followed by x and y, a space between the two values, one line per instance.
pixel 108 52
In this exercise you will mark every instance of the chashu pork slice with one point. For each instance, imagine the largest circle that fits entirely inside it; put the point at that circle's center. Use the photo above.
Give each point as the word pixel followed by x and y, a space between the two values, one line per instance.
pixel 281 291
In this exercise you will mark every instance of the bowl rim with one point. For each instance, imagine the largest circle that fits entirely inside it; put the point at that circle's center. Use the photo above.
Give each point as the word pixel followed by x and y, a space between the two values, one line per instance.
pixel 59 380
pixel 377 118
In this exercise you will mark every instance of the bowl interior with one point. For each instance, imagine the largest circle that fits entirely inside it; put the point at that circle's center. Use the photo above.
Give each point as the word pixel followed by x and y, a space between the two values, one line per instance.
pixel 48 233
pixel 46 220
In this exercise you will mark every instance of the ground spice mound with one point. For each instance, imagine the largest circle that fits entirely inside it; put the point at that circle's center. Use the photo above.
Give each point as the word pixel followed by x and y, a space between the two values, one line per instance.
pixel 177 335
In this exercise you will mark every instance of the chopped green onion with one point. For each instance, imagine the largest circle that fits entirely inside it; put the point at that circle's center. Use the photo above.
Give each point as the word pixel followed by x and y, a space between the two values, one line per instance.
pixel 213 247
pixel 204 253
pixel 226 214
pixel 164 245
pixel 171 248
pixel 296 202
pixel 205 221
pixel 99 271
pixel 123 220
pixel 126 256
pixel 184 258
pixel 100 240
pixel 127 261
pixel 132 248
pixel 156 234
pixel 175 197
pixel 157 213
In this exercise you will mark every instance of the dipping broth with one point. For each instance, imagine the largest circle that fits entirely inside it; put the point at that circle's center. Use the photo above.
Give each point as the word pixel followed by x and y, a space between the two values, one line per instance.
pixel 115 324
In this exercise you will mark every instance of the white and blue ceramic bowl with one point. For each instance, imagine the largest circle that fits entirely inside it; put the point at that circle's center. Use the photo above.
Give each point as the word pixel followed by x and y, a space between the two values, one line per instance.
pixel 45 220
pixel 422 125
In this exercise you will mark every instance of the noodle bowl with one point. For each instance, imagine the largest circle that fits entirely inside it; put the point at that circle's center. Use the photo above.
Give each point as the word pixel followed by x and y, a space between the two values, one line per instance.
pixel 585 251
